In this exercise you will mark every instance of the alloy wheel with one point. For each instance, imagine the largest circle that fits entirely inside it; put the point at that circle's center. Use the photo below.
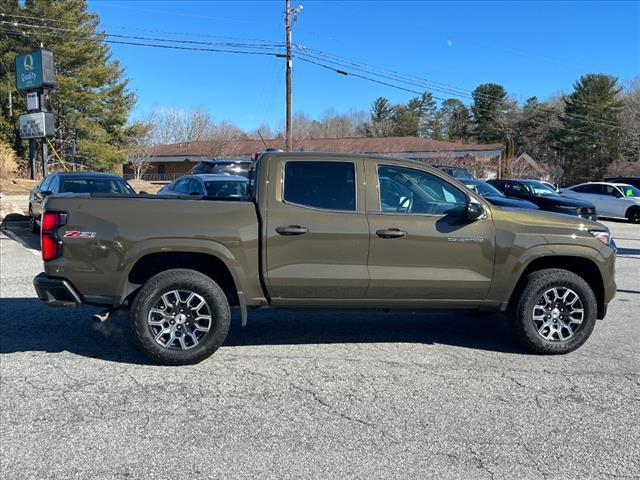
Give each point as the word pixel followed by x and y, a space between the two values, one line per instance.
pixel 180 319
pixel 558 314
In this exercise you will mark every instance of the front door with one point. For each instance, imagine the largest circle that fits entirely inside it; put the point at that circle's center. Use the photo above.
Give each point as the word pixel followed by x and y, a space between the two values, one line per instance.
pixel 317 236
pixel 423 247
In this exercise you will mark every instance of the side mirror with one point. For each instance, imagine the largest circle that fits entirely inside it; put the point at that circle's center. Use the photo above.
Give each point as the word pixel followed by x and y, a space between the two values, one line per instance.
pixel 45 193
pixel 475 210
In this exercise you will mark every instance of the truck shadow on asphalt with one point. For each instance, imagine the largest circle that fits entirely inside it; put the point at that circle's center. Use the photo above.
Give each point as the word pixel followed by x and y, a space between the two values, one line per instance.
pixel 28 326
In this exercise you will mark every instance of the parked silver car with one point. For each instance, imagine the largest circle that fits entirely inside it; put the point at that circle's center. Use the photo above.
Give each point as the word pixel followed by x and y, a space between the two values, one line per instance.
pixel 208 185
pixel 615 200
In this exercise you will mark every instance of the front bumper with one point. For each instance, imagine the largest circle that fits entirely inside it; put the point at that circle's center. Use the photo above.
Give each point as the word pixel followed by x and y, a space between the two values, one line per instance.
pixel 56 292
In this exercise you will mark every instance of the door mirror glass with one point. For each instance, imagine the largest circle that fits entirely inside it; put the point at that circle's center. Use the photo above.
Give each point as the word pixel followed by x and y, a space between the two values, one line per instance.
pixel 475 211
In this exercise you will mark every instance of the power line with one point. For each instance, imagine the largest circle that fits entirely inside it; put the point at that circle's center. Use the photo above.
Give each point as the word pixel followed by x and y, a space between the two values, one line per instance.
pixel 417 81
pixel 152 39
pixel 139 29
pixel 170 47
pixel 364 77
pixel 281 55
pixel 341 61
pixel 352 64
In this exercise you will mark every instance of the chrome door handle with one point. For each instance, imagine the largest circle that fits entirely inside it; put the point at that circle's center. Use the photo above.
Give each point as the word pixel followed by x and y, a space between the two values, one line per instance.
pixel 391 233
pixel 291 230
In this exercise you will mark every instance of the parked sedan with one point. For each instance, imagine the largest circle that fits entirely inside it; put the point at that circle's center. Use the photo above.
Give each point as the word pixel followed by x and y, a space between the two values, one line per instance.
pixel 73 182
pixel 545 197
pixel 495 196
pixel 616 200
pixel 208 185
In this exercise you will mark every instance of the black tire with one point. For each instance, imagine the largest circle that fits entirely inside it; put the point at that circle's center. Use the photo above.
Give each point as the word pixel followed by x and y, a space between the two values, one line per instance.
pixel 187 280
pixel 633 214
pixel 32 222
pixel 522 306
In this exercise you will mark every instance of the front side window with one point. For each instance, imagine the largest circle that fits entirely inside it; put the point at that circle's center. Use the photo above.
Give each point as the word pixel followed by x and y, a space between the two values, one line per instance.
pixel 328 185
pixel 515 190
pixel 407 190
pixel 182 186
pixel 610 191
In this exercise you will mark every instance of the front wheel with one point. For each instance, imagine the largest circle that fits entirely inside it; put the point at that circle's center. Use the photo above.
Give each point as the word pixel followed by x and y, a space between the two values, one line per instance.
pixel 180 317
pixel 32 221
pixel 554 313
pixel 633 215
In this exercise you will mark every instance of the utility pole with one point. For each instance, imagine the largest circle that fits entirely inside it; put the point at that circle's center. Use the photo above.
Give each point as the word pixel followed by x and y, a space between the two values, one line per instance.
pixel 289 138
pixel 288 12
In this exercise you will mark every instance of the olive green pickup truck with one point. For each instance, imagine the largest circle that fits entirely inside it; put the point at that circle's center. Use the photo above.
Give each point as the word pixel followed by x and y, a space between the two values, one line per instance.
pixel 323 231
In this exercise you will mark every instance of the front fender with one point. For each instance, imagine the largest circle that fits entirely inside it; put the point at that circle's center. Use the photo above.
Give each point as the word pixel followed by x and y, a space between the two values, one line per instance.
pixel 508 273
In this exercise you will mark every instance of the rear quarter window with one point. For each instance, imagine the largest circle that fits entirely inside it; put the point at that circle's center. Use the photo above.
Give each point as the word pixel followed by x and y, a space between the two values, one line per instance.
pixel 327 185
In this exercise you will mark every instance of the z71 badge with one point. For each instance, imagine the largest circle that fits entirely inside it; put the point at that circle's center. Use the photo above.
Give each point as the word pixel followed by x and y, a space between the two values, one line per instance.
pixel 77 234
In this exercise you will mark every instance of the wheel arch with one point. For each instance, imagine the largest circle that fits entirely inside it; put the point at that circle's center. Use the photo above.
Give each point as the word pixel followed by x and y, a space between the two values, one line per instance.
pixel 581 266
pixel 152 263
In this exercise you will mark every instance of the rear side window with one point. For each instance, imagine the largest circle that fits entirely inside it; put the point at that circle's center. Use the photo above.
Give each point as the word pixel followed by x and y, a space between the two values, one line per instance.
pixel 329 185
pixel 586 189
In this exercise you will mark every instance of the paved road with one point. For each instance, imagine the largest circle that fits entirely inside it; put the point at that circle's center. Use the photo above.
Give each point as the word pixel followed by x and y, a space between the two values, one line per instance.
pixel 317 396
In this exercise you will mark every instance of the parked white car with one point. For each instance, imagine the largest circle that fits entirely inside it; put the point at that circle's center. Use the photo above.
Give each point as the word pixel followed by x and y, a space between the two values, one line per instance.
pixel 614 200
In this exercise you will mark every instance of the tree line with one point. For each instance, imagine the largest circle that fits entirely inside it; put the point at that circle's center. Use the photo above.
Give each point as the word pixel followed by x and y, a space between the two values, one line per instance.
pixel 587 132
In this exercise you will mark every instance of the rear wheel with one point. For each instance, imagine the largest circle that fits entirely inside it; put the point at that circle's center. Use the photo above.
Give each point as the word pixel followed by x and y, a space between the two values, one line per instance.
pixel 633 214
pixel 554 313
pixel 180 317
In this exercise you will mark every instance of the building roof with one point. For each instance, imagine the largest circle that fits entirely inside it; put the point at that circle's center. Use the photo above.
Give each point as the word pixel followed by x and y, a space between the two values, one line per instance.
pixel 396 145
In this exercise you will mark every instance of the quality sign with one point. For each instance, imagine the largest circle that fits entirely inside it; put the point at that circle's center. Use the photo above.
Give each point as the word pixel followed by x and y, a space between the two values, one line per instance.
pixel 34 70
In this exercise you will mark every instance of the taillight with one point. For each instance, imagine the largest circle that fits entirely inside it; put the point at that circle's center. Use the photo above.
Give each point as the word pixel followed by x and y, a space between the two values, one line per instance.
pixel 49 244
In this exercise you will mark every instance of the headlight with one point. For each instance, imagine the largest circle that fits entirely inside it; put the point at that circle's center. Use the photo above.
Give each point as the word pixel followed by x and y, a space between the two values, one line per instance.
pixel 603 235
pixel 566 208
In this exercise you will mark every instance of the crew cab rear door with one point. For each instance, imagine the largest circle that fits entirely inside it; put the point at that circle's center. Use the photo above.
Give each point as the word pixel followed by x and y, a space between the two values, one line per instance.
pixel 315 229
pixel 423 248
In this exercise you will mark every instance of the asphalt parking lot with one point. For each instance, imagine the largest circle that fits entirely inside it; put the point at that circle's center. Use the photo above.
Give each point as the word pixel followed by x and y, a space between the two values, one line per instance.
pixel 298 395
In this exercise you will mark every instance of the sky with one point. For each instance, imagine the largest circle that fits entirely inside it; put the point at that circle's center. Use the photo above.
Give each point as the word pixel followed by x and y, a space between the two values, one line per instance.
pixel 531 48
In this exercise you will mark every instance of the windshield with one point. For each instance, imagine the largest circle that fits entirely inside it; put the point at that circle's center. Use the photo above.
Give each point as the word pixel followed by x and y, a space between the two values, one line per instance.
pixel 539 189
pixel 630 190
pixel 95 185
pixel 485 189
pixel 224 188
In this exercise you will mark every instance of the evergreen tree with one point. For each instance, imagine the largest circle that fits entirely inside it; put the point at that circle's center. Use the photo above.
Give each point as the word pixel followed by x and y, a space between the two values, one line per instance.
pixel 380 122
pixel 490 108
pixel 456 120
pixel 589 137
pixel 91 102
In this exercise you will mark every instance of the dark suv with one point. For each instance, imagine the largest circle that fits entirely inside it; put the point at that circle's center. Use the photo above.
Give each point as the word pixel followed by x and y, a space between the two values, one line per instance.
pixel 545 197
pixel 225 167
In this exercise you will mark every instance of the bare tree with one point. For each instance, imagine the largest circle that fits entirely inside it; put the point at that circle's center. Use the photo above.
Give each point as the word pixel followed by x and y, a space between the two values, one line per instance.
pixel 140 163
pixel 139 149
pixel 173 125
pixel 630 122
